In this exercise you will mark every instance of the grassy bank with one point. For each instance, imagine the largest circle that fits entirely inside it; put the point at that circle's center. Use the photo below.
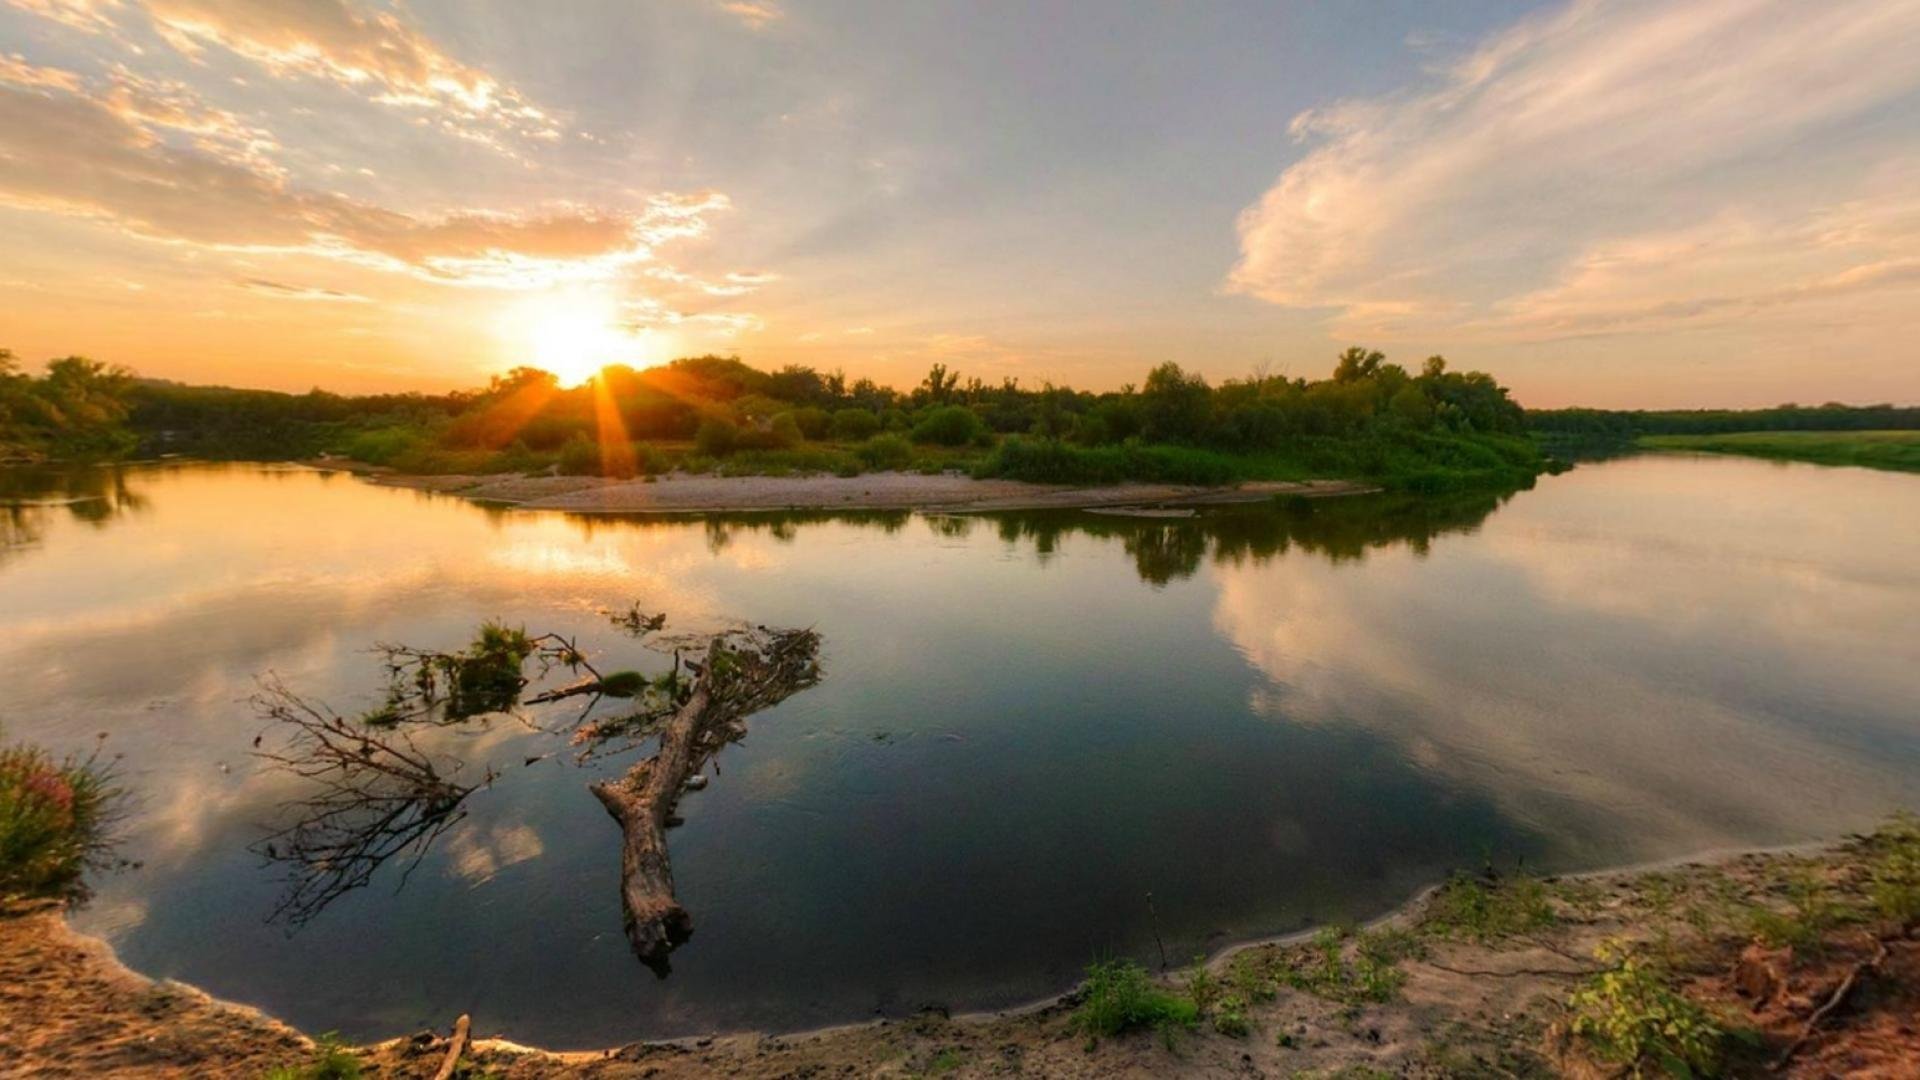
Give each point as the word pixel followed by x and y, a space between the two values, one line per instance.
pixel 1895 450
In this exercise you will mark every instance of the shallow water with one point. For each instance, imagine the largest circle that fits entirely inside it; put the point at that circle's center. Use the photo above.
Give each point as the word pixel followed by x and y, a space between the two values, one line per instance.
pixel 1030 724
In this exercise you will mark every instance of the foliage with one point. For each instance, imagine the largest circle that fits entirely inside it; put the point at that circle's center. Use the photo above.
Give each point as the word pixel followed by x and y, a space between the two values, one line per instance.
pixel 1812 910
pixel 1437 430
pixel 1352 969
pixel 1050 461
pixel 76 409
pixel 855 424
pixel 331 1060
pixel 1119 996
pixel 886 452
pixel 1894 869
pixel 949 425
pixel 56 820
pixel 1631 1015
pixel 1898 451
pixel 1475 909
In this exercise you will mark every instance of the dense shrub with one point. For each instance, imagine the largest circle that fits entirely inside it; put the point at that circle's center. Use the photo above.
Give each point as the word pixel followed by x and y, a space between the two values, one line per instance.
pixel 716 437
pixel 885 452
pixel 1050 461
pixel 580 457
pixel 814 423
pixel 949 425
pixel 853 425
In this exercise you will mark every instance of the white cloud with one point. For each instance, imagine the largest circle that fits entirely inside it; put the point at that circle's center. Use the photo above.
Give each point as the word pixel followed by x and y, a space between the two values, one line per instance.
pixel 1585 168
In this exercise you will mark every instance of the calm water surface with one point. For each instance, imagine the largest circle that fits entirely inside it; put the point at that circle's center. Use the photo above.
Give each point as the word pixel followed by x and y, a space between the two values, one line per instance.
pixel 1265 718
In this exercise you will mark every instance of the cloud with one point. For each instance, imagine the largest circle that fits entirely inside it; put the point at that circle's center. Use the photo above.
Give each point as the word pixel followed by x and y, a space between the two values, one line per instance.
pixel 1708 138
pixel 108 157
pixel 88 16
pixel 300 292
pixel 754 14
pixel 375 53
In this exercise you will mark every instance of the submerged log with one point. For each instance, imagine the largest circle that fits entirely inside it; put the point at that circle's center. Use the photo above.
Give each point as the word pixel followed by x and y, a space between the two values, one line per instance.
pixel 740 677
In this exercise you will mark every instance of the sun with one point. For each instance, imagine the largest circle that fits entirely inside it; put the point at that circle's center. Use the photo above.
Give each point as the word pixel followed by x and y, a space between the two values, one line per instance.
pixel 575 335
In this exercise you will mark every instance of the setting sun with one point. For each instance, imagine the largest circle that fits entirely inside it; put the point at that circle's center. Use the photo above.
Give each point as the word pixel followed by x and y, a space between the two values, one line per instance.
pixel 575 335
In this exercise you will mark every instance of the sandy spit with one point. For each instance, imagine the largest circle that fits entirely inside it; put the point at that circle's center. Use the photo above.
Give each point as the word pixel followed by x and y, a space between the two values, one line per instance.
pixel 679 493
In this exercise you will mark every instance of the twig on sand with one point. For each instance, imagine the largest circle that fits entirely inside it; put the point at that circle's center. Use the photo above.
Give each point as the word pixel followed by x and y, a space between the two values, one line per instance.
pixel 1839 997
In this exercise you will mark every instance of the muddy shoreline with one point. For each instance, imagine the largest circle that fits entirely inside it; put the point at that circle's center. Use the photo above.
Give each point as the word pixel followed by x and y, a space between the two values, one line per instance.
pixel 684 493
pixel 68 1007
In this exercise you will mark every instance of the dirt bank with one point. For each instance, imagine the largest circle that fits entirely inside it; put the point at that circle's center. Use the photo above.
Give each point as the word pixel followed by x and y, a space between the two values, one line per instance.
pixel 677 493
pixel 1472 980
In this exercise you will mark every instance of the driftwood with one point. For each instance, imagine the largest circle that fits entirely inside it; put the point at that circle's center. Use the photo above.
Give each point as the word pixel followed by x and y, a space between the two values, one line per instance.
pixel 743 674
pixel 455 1048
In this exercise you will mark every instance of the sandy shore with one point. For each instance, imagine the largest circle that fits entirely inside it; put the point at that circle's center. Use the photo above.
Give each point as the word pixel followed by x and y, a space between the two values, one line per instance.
pixel 1467 1005
pixel 679 493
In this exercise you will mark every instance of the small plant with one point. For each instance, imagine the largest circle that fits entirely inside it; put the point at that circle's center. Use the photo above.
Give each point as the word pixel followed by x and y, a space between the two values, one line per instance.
pixel 331 1060
pixel 1372 975
pixel 1813 910
pixel 945 1061
pixel 1630 1015
pixel 1482 911
pixel 1251 976
pixel 1230 1018
pixel 1894 870
pixel 1119 996
pixel 56 818
pixel 1202 987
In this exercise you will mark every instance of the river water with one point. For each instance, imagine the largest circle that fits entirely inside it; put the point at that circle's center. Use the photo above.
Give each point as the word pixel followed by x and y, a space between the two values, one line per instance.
pixel 1041 739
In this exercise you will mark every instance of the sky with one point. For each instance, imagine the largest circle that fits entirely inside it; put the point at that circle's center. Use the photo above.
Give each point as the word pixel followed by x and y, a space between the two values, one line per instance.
pixel 1672 203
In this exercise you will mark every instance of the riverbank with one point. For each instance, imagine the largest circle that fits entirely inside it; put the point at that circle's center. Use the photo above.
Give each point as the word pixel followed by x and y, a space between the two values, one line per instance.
pixel 1898 451
pixel 687 493
pixel 1810 956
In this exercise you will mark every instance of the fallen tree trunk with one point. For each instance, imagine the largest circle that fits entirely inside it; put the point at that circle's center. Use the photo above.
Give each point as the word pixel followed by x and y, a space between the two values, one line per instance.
pixel 738 679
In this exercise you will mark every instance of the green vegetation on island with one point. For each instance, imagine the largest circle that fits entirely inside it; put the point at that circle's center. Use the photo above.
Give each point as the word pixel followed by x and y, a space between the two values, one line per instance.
pixel 1433 430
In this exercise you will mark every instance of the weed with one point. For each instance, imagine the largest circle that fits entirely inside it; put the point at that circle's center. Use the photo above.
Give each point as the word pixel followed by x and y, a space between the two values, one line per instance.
pixel 1631 1015
pixel 331 1060
pixel 1230 1019
pixel 1119 996
pixel 1894 869
pixel 1477 910
pixel 1813 910
pixel 1324 969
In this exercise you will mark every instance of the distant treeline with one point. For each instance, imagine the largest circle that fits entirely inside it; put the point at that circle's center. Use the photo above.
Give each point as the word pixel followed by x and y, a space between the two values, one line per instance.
pixel 1631 424
pixel 1433 428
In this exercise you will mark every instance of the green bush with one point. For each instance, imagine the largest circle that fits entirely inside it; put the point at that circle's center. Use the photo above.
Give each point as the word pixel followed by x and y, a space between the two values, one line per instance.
pixel 1119 996
pixel 853 425
pixel 381 446
pixel 949 425
pixel 1050 461
pixel 886 452
pixel 580 456
pixel 55 820
pixel 814 423
pixel 716 437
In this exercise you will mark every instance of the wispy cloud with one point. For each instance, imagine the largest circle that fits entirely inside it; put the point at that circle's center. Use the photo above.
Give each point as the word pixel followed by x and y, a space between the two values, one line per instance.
pixel 283 291
pixel 755 14
pixel 375 53
pixel 78 150
pixel 1606 165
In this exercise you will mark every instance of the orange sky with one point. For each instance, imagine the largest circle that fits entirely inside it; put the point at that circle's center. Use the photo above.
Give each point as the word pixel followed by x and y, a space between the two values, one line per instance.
pixel 1706 202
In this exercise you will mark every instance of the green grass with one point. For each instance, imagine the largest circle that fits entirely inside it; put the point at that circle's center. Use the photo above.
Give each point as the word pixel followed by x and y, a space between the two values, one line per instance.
pixel 331 1060
pixel 1895 450
pixel 1120 996
pixel 1473 909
